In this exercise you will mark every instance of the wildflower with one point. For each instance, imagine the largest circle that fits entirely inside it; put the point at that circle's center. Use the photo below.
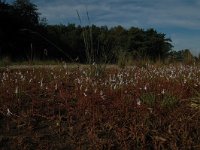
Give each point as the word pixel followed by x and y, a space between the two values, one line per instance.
pixel 65 66
pixel 103 97
pixel 150 109
pixel 56 86
pixel 9 112
pixel 78 81
pixel 81 87
pixel 145 87
pixel 101 93
pixel 86 112
pixel 22 77
pixel 163 91
pixel 41 83
pixel 138 101
pixel 30 80
pixel 16 90
pixel 185 81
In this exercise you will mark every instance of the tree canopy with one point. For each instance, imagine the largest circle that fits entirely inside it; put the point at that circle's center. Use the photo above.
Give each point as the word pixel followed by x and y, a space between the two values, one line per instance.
pixel 16 22
pixel 24 36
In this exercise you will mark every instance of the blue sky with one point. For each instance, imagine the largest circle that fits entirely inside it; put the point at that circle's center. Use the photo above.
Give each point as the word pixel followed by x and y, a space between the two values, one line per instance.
pixel 178 19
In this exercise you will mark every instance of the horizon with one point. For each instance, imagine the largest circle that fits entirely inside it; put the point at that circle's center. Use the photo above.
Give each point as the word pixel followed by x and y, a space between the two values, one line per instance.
pixel 178 19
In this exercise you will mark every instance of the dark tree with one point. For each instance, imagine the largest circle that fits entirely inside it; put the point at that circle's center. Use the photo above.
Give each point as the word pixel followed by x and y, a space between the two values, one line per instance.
pixel 157 45
pixel 24 36
pixel 7 21
pixel 27 12
pixel 18 28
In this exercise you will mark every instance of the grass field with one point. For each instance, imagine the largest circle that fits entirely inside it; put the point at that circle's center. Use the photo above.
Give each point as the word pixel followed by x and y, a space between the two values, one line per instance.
pixel 145 107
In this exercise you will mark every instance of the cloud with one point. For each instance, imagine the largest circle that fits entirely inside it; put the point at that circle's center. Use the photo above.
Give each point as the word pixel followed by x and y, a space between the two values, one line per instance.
pixel 144 13
pixel 180 16
pixel 179 13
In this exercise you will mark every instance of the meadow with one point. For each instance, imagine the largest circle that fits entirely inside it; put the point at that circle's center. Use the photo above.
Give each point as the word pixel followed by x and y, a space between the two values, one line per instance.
pixel 137 107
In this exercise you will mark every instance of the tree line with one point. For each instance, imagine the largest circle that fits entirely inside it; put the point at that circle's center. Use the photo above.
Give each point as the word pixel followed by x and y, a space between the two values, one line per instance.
pixel 24 35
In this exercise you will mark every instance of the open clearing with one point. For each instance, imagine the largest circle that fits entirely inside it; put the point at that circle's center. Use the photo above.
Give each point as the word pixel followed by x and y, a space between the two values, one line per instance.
pixel 149 107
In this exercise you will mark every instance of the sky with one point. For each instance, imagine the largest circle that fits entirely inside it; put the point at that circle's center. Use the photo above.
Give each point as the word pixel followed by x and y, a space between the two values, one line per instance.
pixel 178 19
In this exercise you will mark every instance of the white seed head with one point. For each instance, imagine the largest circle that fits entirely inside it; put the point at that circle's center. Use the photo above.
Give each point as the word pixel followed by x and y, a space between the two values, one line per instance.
pixel 8 112
pixel 16 90
pixel 138 101
pixel 163 91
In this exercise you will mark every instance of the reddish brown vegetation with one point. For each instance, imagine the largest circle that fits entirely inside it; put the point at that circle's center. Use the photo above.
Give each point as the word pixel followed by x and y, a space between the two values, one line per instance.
pixel 136 108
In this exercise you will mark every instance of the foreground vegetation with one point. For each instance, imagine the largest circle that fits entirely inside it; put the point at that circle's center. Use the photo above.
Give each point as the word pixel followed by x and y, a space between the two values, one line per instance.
pixel 146 107
pixel 142 106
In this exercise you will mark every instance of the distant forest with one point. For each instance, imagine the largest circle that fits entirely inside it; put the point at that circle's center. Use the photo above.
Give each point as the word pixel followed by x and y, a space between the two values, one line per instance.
pixel 25 36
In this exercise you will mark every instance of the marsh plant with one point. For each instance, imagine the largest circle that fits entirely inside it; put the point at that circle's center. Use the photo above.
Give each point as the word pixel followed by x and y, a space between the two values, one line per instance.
pixel 132 108
pixel 96 55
